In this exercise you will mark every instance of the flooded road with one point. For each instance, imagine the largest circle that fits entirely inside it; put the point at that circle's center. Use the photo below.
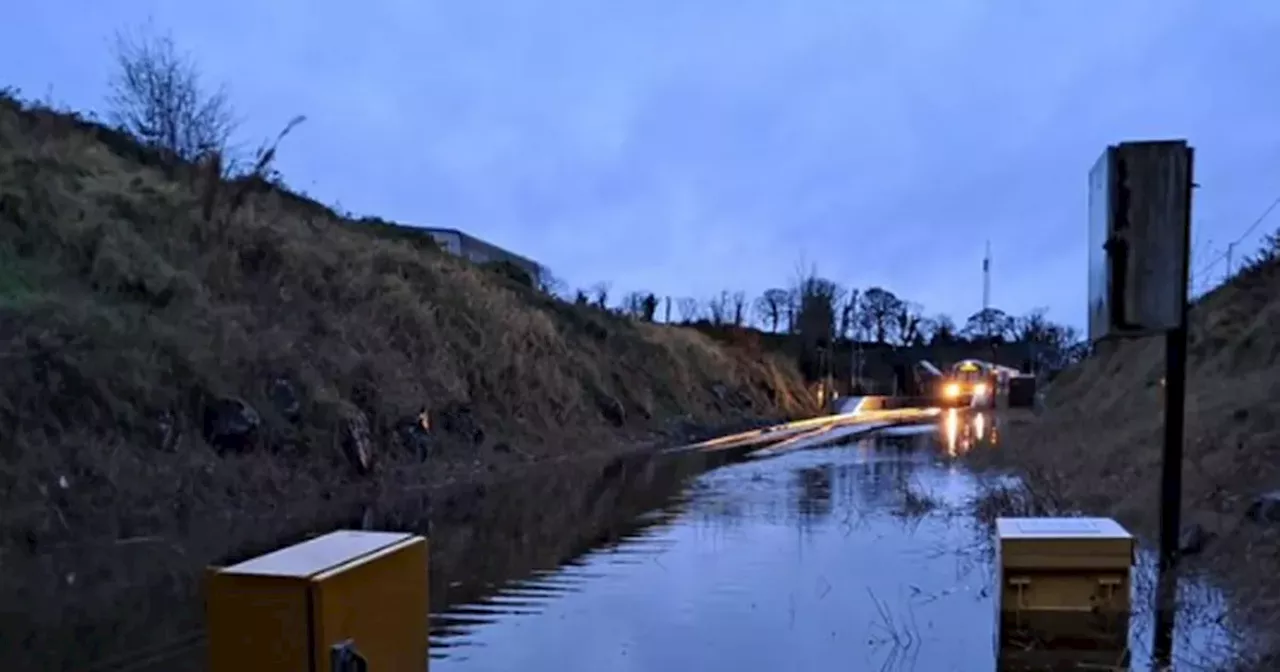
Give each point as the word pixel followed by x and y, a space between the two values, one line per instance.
pixel 859 556
pixel 822 559
pixel 856 556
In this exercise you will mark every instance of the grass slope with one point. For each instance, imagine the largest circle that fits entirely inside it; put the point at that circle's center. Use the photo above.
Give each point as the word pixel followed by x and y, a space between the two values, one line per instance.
pixel 134 317
pixel 1097 446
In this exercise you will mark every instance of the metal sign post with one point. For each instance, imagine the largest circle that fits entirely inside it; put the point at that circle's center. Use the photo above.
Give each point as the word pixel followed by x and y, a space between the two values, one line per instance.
pixel 1175 402
pixel 1139 242
pixel 1175 398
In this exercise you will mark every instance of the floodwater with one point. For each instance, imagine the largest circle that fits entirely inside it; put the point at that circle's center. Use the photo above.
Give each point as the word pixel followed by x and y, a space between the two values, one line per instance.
pixel 859 556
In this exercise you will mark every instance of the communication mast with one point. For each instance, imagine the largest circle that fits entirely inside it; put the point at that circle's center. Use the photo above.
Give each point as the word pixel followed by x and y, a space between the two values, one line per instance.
pixel 986 288
pixel 986 301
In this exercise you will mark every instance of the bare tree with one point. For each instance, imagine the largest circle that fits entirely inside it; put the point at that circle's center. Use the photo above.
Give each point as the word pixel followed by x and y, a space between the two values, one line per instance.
pixel 688 309
pixel 792 311
pixel 1032 327
pixel 1073 347
pixel 718 308
pixel 633 304
pixel 1053 346
pixel 1058 347
pixel 881 308
pixel 156 94
pixel 817 316
pixel 639 305
pixel 815 303
pixel 849 315
pixel 551 285
pixel 600 294
pixel 908 320
pixel 738 301
pixel 944 329
pixel 927 329
pixel 771 307
pixel 815 323
pixel 649 306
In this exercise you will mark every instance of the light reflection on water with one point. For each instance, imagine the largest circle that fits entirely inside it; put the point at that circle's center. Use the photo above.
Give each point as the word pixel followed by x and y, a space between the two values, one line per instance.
pixel 962 431
pixel 853 557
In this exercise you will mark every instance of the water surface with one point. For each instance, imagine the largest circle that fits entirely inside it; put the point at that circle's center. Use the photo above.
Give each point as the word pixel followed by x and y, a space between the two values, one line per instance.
pixel 859 556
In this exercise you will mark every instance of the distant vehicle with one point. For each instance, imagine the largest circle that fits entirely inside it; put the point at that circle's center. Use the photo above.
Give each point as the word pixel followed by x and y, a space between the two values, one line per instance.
pixel 969 382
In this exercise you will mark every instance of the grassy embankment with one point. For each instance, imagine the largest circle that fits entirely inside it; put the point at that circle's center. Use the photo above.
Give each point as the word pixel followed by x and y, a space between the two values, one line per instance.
pixel 191 368
pixel 170 344
pixel 1096 447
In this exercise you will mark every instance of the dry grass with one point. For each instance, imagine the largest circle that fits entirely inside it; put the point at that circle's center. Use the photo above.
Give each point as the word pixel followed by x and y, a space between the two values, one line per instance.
pixel 1096 448
pixel 128 305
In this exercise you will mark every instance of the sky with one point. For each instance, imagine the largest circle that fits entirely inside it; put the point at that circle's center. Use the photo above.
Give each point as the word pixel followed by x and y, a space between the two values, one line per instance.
pixel 687 147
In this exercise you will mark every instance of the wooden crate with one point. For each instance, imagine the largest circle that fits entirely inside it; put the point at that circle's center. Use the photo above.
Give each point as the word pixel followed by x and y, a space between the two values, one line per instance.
pixel 284 611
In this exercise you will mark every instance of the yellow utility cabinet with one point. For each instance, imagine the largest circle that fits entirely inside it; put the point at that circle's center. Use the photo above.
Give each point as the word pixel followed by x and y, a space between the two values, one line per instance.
pixel 348 600
pixel 1064 586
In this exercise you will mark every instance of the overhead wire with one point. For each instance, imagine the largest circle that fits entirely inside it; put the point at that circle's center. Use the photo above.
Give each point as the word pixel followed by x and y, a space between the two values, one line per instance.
pixel 1222 256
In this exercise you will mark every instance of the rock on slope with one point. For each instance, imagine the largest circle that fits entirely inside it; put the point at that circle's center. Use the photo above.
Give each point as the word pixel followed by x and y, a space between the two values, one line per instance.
pixel 170 343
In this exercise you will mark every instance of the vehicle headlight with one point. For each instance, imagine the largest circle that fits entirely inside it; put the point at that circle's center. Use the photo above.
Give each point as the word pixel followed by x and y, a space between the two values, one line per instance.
pixel 952 390
pixel 980 389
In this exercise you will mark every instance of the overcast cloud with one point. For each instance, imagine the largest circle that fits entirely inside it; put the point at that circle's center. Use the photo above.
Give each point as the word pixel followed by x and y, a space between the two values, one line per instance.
pixel 686 146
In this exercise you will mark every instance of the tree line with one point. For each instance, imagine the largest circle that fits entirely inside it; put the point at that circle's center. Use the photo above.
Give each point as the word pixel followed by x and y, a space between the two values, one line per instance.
pixel 821 314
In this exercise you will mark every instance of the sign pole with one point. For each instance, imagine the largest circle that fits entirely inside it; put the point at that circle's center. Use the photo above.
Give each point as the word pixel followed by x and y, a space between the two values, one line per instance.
pixel 1175 401
pixel 1140 198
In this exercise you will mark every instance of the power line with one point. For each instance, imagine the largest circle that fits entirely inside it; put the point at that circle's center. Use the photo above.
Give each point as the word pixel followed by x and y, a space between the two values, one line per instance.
pixel 1202 247
pixel 1231 246
pixel 1259 220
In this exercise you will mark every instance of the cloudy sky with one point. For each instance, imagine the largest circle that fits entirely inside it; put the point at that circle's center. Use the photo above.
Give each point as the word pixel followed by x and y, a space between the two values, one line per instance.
pixel 689 146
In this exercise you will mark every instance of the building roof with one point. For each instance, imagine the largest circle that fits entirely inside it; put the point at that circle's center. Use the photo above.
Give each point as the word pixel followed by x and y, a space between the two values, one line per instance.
pixel 473 239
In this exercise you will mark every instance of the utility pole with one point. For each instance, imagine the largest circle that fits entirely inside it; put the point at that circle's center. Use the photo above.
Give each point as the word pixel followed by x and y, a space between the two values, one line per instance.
pixel 1231 248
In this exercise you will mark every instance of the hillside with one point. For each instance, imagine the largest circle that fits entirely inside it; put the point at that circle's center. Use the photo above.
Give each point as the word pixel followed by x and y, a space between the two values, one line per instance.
pixel 1097 446
pixel 171 344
